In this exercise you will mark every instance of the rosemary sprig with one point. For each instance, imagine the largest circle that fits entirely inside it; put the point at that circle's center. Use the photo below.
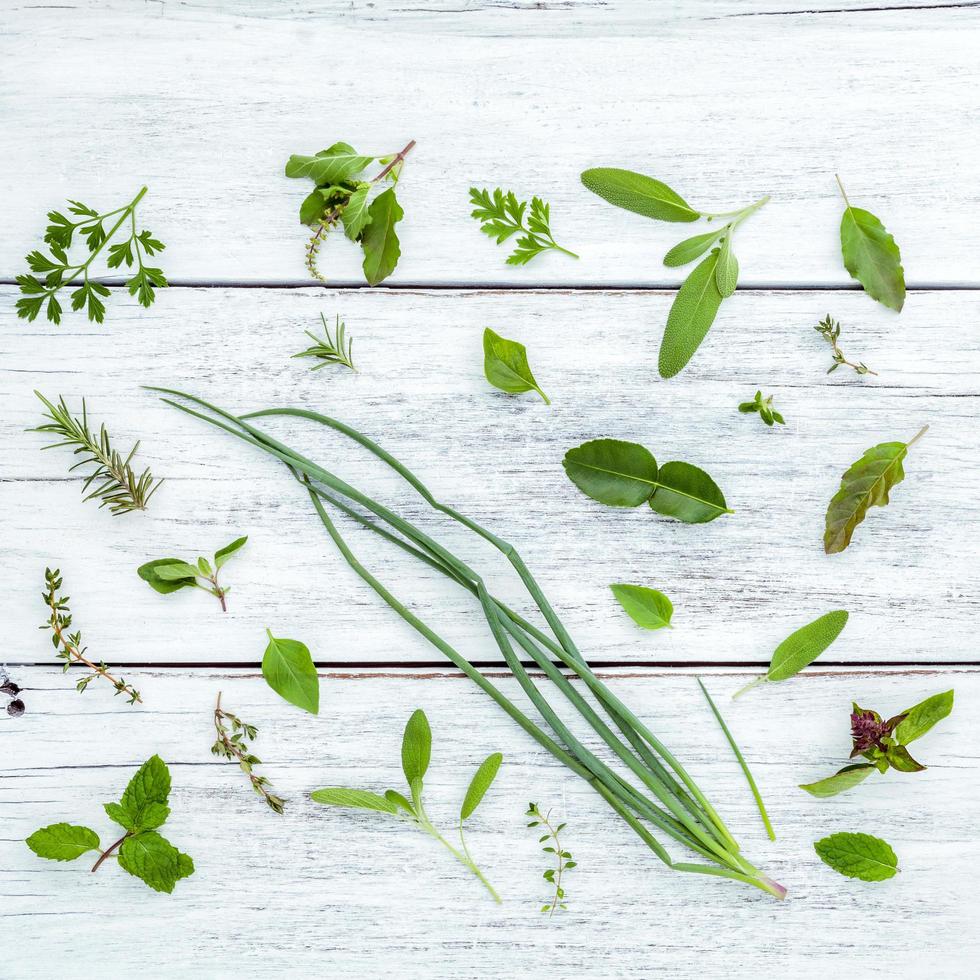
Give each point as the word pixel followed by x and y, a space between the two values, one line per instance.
pixel 69 645
pixel 117 485
pixel 329 350
pixel 233 745
pixel 829 329
pixel 552 845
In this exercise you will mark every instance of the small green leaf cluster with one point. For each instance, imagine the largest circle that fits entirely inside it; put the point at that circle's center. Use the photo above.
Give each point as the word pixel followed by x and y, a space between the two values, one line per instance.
pixel 505 365
pixel 289 670
pixel 59 271
pixel 563 858
pixel 883 743
pixel 502 215
pixel 166 575
pixel 764 407
pixel 646 607
pixel 712 280
pixel 342 196
pixel 329 350
pixel 625 474
pixel 858 856
pixel 829 329
pixel 142 851
pixel 416 753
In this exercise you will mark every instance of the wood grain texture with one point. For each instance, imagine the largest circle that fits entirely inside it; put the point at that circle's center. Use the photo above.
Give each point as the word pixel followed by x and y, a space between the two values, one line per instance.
pixel 739 584
pixel 321 891
pixel 724 109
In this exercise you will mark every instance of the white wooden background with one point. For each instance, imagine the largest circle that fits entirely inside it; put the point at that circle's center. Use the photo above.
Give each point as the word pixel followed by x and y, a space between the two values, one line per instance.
pixel 203 101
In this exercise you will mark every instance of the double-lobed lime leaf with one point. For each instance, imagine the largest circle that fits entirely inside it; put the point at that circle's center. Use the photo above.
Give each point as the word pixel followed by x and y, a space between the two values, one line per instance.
pixel 638 193
pixel 646 607
pixel 288 669
pixel 505 365
pixel 625 474
pixel 858 856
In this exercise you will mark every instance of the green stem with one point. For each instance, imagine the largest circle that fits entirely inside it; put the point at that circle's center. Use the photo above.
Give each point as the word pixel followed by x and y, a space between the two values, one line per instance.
pixel 740 214
pixel 748 687
pixel 843 192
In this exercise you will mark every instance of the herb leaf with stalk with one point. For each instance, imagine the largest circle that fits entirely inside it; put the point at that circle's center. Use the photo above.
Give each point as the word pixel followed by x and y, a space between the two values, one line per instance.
pixel 167 575
pixel 764 407
pixel 60 272
pixel 416 752
pixel 678 808
pixel 505 365
pixel 329 350
pixel 502 215
pixel 69 645
pixel 829 329
pixel 563 859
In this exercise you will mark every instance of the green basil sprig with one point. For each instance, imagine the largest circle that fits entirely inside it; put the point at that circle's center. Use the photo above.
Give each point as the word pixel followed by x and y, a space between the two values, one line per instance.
pixel 505 365
pixel 166 575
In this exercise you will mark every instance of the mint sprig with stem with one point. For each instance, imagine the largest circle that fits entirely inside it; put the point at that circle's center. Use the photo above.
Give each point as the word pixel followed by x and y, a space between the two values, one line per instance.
pixel 166 575
pixel 59 271
pixel 563 859
pixel 69 645
pixel 502 215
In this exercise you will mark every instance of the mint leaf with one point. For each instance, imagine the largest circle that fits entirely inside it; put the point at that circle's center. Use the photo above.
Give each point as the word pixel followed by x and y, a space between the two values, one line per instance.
pixel 646 607
pixel 379 241
pixel 416 746
pixel 858 856
pixel 840 782
pixel 505 365
pixel 686 493
pixel 288 669
pixel 150 785
pixel 153 859
pixel 920 718
pixel 63 842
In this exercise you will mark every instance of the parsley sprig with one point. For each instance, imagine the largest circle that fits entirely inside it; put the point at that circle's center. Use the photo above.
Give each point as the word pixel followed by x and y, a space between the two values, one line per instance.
pixel 502 215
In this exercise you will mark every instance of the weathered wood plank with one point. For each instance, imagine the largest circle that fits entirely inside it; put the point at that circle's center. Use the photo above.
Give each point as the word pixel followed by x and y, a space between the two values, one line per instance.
pixel 326 890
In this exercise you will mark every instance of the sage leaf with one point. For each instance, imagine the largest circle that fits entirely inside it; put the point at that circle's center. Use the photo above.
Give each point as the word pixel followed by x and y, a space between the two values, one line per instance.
pixel 920 718
pixel 858 856
pixel 866 484
pixel 223 554
pixel 726 272
pixel 638 193
pixel 357 799
pixel 616 473
pixel 356 215
pixel 63 842
pixel 688 494
pixel 691 248
pixel 288 669
pixel 646 607
pixel 154 860
pixel 379 241
pixel 505 365
pixel 164 586
pixel 847 778
pixel 690 318
pixel 871 255
pixel 340 162
pixel 481 782
pixel 416 746
pixel 396 798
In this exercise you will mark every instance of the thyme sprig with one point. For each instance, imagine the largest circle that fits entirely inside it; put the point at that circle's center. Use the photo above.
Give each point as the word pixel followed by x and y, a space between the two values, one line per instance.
pixel 829 329
pixel 233 744
pixel 563 858
pixel 69 645
pixel 329 350
pixel 117 485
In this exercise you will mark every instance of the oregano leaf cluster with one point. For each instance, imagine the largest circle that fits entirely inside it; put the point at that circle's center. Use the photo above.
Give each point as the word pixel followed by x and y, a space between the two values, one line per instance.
pixel 166 575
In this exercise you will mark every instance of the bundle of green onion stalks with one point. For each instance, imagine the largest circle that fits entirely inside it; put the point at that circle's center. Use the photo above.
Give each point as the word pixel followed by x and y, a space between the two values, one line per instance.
pixel 652 790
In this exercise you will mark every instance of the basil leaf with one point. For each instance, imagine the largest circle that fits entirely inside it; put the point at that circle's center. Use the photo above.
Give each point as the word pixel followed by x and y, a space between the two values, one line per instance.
pixel 872 257
pixel 899 758
pixel 223 554
pixel 505 365
pixel 312 208
pixel 153 859
pixel 689 249
pixel 176 571
pixel 616 473
pixel 636 192
pixel 690 318
pixel 802 647
pixel 340 162
pixel 288 669
pixel 646 607
pixel 920 718
pixel 63 842
pixel 356 215
pixel 858 856
pixel 865 484
pixel 379 241
pixel 688 494
pixel 416 746
pixel 847 778
pixel 481 782
pixel 726 272
pixel 164 586
pixel 356 799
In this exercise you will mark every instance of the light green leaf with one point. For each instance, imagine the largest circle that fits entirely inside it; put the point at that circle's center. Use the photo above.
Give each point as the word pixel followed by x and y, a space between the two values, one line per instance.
pixel 726 272
pixel 847 778
pixel 398 801
pixel 636 192
pixel 63 842
pixel 204 567
pixel 153 859
pixel 899 757
pixel 616 473
pixel 481 782
pixel 164 586
pixel 340 162
pixel 690 318
pixel 871 256
pixel 223 554
pixel 416 746
pixel 147 791
pixel 803 646
pixel 505 365
pixel 357 799
pixel 858 856
pixel 688 494
pixel 920 718
pixel 175 572
pixel 691 248
pixel 866 484
pixel 646 607
pixel 288 669
pixel 185 866
pixel 356 215
pixel 379 241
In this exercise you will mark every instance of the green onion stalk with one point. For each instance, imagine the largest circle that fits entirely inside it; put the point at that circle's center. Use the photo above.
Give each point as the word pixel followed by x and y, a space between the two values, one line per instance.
pixel 655 790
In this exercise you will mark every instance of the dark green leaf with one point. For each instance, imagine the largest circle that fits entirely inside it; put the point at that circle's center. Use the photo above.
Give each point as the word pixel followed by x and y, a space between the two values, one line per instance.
pixel 804 645
pixel 847 778
pixel 646 607
pixel 690 318
pixel 638 193
pixel 505 365
pixel 288 669
pixel 312 208
pixel 148 573
pixel 688 494
pixel 223 554
pixel 146 793
pixel 872 257
pixel 63 842
pixel 153 859
pixel 616 473
pixel 379 241
pixel 416 746
pixel 858 856
pixel 920 718
pixel 480 783
pixel 357 799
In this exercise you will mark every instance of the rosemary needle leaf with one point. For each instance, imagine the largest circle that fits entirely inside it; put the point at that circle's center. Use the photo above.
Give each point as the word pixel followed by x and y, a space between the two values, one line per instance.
pixel 330 350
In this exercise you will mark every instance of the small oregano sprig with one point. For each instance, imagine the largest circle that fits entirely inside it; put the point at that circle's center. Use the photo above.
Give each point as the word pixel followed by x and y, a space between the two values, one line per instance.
pixel 69 645
pixel 552 845
pixel 829 329
pixel 142 851
pixel 416 752
pixel 167 575
pixel 502 215
pixel 59 271
pixel 116 483
pixel 764 407
pixel 233 744
pixel 327 349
